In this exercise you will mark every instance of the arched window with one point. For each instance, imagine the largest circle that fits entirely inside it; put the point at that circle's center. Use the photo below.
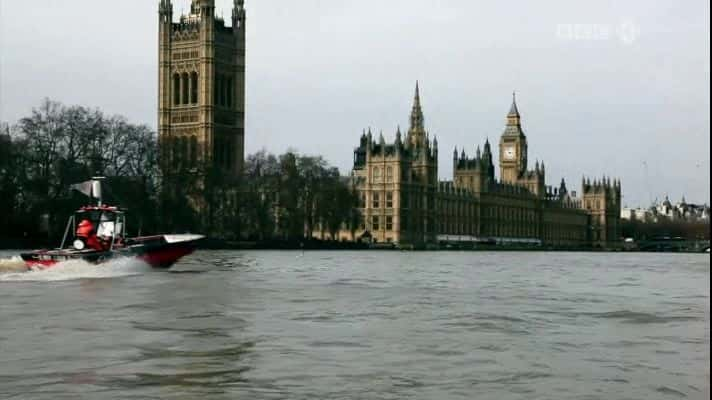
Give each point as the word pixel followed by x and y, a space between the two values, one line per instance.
pixel 184 156
pixel 216 90
pixel 193 151
pixel 226 155
pixel 185 92
pixel 194 87
pixel 175 152
pixel 217 152
pixel 222 91
pixel 229 91
pixel 376 174
pixel 176 89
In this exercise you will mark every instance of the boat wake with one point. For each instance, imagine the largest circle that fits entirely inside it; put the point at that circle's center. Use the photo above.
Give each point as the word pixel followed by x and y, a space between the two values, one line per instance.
pixel 11 270
pixel 12 264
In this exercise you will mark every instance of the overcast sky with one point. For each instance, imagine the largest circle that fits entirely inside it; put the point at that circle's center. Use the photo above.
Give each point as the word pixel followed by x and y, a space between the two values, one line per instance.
pixel 604 86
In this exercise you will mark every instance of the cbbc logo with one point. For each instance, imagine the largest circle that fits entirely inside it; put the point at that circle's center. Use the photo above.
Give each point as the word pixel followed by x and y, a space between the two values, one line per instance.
pixel 627 32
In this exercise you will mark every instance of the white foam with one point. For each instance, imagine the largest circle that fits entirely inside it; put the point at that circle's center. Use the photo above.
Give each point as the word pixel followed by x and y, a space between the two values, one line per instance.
pixel 79 269
pixel 12 264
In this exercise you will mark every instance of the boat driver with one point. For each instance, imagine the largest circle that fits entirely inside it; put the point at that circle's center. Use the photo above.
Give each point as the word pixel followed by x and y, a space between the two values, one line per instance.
pixel 85 231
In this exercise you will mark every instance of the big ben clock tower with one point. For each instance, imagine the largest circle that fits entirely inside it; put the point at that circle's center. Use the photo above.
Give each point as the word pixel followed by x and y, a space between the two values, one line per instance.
pixel 512 147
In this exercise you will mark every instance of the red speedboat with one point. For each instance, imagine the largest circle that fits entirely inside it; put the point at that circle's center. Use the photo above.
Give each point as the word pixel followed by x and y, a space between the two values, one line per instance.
pixel 98 234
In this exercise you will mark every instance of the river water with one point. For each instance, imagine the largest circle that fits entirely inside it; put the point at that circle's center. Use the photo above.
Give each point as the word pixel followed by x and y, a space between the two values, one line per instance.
pixel 360 325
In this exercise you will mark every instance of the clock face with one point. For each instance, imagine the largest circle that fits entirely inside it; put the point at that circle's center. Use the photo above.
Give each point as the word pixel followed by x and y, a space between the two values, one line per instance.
pixel 509 153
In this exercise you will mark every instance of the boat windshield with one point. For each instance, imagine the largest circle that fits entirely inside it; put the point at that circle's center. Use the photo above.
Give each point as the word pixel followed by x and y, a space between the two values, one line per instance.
pixel 105 224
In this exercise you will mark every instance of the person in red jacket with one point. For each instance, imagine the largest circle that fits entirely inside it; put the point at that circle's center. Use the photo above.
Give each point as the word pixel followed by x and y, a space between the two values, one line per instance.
pixel 85 231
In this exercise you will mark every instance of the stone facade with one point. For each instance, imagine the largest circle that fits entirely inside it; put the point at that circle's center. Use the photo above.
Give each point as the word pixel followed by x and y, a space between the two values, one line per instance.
pixel 403 202
pixel 201 88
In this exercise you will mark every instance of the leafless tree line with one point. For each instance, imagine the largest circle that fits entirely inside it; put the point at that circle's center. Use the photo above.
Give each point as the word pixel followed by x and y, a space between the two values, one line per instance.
pixel 58 145
pixel 278 197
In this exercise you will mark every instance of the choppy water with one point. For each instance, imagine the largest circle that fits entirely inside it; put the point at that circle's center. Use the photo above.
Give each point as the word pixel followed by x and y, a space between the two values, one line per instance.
pixel 360 325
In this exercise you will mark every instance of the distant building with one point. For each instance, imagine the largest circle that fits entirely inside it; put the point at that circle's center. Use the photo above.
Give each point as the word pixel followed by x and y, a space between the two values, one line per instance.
pixel 201 88
pixel 201 113
pixel 637 214
pixel 403 202
pixel 682 211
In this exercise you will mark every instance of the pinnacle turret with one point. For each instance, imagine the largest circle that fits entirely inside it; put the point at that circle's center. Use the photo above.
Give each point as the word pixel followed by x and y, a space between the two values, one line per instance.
pixel 488 149
pixel 563 191
pixel 238 11
pixel 416 114
pixel 165 11
pixel 165 6
pixel 417 136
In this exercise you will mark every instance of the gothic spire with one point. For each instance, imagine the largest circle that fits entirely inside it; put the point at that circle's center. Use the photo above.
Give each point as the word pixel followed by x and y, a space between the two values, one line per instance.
pixel 417 94
pixel 416 115
pixel 513 110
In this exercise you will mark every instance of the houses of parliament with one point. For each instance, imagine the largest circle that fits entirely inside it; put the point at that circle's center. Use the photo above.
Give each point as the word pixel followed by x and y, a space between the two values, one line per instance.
pixel 403 202
pixel 201 119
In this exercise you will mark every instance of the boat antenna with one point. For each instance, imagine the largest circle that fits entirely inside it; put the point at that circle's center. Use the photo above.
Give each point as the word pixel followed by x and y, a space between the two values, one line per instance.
pixel 96 188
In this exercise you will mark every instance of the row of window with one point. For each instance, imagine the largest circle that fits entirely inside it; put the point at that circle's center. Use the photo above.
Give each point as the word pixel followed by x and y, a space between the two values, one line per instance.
pixel 224 90
pixel 554 232
pixel 184 152
pixel 186 89
pixel 591 203
pixel 224 153
pixel 376 223
pixel 549 231
pixel 456 208
pixel 376 200
pixel 378 174
pixel 509 213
